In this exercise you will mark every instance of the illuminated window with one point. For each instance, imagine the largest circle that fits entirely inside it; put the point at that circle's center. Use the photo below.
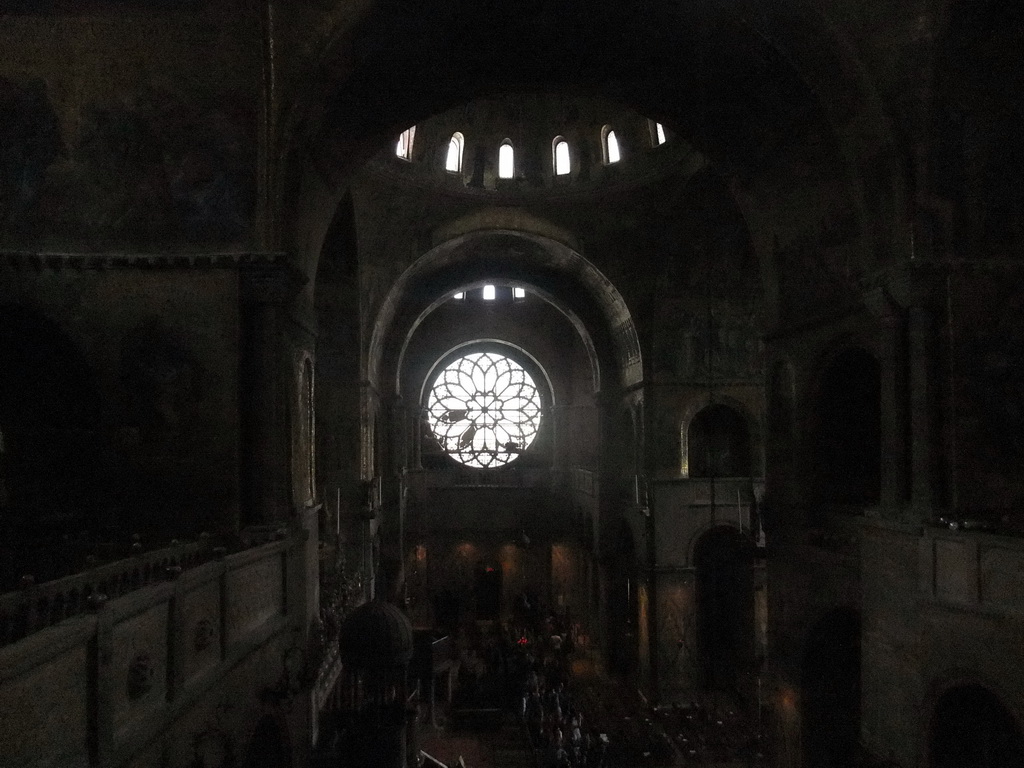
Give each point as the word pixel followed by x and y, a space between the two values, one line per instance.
pixel 484 409
pixel 518 293
pixel 403 148
pixel 657 133
pixel 611 146
pixel 506 160
pixel 453 163
pixel 561 156
pixel 489 293
pixel 459 296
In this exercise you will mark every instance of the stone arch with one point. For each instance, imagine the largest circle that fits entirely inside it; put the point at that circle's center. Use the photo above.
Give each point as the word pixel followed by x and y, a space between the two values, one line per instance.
pixel 51 415
pixel 970 723
pixel 753 429
pixel 718 443
pixel 336 304
pixel 559 274
pixel 340 119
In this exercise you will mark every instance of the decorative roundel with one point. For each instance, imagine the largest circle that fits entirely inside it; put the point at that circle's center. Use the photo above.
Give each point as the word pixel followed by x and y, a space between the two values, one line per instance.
pixel 484 409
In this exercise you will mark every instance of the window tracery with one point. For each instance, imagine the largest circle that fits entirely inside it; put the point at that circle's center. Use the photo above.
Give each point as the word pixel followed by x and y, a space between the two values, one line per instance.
pixel 484 409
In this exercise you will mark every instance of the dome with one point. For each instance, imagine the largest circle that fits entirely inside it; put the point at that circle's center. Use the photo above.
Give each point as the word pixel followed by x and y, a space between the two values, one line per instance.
pixel 376 634
pixel 521 146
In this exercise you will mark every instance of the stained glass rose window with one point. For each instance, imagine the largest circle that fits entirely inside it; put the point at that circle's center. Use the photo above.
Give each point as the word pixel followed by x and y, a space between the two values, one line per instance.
pixel 484 409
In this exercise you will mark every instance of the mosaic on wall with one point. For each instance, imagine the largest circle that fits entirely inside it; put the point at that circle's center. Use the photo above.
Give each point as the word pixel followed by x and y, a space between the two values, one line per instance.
pixel 151 171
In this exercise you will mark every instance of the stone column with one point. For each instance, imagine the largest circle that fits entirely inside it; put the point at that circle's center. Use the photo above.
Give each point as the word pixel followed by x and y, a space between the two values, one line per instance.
pixel 921 329
pixel 892 359
pixel 894 415
pixel 400 436
pixel 266 290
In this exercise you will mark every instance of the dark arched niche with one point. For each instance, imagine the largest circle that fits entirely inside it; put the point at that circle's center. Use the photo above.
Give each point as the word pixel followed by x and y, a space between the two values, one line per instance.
pixel 337 361
pixel 718 443
pixel 846 431
pixel 50 417
pixel 970 728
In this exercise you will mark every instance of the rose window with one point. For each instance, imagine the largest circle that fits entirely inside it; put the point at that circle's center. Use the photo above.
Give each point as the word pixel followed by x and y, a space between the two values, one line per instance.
pixel 484 409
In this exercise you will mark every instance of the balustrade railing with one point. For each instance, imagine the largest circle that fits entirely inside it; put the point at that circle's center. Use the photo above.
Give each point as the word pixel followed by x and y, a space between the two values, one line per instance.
pixel 36 606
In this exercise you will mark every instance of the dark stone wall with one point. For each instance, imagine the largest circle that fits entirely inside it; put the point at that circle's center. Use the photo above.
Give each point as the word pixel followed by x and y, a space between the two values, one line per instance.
pixel 149 397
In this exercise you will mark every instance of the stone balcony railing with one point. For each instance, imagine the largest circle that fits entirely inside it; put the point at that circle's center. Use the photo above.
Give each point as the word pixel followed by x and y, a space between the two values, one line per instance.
pixel 972 570
pixel 114 659
pixel 37 606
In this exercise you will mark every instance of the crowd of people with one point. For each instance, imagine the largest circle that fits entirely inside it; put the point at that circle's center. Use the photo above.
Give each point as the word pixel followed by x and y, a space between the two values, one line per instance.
pixel 585 721
pixel 525 666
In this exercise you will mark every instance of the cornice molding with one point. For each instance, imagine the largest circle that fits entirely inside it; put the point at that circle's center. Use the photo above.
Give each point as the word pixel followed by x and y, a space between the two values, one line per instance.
pixel 91 260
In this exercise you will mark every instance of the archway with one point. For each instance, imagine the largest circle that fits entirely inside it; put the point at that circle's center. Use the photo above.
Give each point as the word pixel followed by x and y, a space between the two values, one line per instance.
pixel 718 444
pixel 50 456
pixel 553 270
pixel 970 728
pixel 830 699
pixel 725 608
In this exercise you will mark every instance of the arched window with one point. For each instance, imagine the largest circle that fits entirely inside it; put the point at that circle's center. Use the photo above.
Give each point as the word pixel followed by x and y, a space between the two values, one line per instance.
pixel 657 133
pixel 484 409
pixel 506 160
pixel 403 148
pixel 971 726
pixel 718 444
pixel 611 145
pixel 560 150
pixel 453 163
